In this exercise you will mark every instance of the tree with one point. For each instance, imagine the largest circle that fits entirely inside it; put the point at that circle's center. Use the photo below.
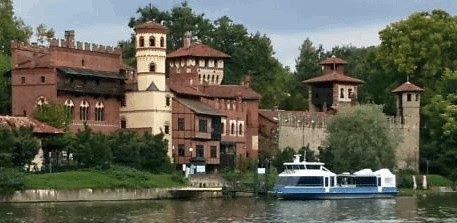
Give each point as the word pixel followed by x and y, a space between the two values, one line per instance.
pixel 360 137
pixel 44 34
pixel 54 115
pixel 420 47
pixel 11 27
pixel 17 147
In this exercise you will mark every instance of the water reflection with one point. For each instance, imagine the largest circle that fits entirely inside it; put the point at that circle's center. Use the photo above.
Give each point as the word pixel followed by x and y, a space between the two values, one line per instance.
pixel 442 208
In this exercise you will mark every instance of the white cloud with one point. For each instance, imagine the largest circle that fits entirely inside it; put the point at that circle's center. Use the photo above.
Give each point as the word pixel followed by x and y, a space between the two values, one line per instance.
pixel 286 44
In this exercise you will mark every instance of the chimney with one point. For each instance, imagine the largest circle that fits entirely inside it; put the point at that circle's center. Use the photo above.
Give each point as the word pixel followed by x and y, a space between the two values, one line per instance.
pixel 246 81
pixel 70 38
pixel 186 40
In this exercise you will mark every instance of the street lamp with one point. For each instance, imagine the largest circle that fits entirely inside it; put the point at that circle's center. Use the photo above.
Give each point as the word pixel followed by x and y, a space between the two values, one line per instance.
pixel 191 166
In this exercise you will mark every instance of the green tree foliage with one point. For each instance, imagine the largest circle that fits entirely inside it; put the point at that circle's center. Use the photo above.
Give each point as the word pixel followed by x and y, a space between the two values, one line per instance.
pixel 251 54
pixel 360 137
pixel 91 149
pixel 147 152
pixel 17 147
pixel 125 148
pixel 11 180
pixel 5 102
pixel 307 66
pixel 54 115
pixel 11 27
pixel 422 47
pixel 44 34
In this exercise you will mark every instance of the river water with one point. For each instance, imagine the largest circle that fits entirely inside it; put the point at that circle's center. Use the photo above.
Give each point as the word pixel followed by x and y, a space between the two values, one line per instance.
pixel 430 208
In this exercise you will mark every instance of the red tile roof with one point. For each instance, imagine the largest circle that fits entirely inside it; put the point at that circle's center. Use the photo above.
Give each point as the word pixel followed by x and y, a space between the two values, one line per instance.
pixel 230 91
pixel 197 50
pixel 407 87
pixel 333 77
pixel 151 25
pixel 271 115
pixel 333 60
pixel 182 86
pixel 38 127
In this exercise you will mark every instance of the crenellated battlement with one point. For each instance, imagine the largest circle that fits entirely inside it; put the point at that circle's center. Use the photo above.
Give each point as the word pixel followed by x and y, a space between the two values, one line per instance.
pixel 63 43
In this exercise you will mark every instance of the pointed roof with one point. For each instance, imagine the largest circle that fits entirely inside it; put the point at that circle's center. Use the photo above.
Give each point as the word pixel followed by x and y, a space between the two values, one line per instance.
pixel 407 87
pixel 152 87
pixel 333 77
pixel 197 50
pixel 148 25
pixel 333 60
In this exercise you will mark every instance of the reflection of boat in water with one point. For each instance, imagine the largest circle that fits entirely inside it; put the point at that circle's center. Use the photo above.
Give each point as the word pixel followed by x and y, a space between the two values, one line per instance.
pixel 311 180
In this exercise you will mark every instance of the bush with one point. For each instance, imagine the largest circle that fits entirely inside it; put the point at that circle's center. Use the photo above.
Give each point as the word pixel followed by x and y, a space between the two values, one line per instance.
pixel 10 181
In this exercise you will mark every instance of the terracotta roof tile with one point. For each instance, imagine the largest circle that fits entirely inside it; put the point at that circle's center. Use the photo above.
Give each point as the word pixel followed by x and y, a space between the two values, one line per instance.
pixel 333 60
pixel 38 127
pixel 151 25
pixel 179 87
pixel 333 77
pixel 197 50
pixel 230 91
pixel 407 87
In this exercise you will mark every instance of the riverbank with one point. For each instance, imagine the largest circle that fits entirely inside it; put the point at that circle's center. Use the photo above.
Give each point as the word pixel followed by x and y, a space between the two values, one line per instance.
pixel 120 194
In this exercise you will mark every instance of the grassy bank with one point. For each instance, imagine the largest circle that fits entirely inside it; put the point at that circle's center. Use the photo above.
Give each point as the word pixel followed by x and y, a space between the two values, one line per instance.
pixel 116 177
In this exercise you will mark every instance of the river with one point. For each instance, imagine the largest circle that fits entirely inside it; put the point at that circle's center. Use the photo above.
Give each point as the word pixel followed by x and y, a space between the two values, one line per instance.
pixel 430 208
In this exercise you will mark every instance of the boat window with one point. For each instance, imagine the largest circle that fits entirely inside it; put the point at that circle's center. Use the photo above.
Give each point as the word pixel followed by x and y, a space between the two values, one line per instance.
pixel 345 180
pixel 332 181
pixel 310 181
pixel 290 181
pixel 379 181
pixel 326 181
pixel 313 167
pixel 366 181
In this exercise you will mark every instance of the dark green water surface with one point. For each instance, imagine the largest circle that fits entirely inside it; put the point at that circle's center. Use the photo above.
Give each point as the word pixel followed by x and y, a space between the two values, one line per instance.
pixel 430 208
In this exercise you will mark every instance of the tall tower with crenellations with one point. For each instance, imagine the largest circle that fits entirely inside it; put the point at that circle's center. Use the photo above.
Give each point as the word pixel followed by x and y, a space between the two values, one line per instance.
pixel 148 101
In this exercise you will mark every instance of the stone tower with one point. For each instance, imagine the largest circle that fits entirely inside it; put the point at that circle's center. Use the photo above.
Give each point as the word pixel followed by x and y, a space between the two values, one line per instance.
pixel 333 89
pixel 148 103
pixel 408 114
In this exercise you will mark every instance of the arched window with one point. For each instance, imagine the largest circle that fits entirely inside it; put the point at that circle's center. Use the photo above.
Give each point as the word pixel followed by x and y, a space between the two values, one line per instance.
pixel 212 78
pixel 41 101
pixel 162 42
pixel 84 111
pixel 342 93
pixel 152 41
pixel 232 129
pixel 69 106
pixel 141 43
pixel 99 107
pixel 217 79
pixel 240 129
pixel 152 67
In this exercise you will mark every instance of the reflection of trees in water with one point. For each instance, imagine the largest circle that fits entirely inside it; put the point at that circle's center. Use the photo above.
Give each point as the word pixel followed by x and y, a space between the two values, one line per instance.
pixel 432 207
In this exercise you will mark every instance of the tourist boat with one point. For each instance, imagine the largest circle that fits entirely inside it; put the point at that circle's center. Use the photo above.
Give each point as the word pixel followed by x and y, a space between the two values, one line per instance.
pixel 302 180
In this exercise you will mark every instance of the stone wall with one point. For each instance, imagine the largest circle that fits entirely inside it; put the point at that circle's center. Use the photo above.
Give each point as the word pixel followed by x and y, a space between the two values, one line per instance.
pixel 51 195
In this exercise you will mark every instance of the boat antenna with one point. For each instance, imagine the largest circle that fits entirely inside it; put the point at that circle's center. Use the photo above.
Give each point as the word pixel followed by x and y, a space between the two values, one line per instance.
pixel 304 155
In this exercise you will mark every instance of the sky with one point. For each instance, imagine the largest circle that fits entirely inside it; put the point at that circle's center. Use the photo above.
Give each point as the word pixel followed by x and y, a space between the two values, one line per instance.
pixel 286 22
